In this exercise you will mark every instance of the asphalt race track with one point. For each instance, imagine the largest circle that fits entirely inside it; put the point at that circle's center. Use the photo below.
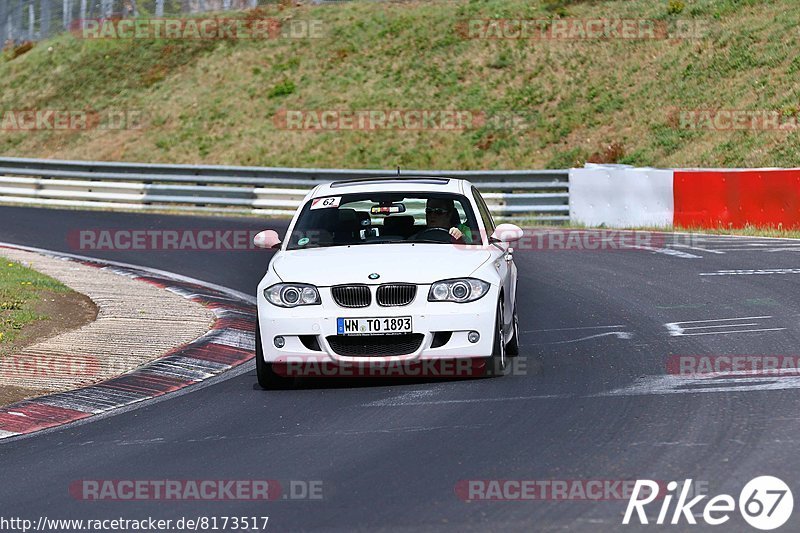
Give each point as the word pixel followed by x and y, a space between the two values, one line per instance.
pixel 594 400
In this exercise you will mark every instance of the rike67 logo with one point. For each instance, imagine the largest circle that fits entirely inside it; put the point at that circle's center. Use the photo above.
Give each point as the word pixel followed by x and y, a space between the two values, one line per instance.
pixel 765 503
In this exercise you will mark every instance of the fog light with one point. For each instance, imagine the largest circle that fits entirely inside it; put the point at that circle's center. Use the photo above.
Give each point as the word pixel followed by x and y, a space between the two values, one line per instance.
pixel 473 337
pixel 279 341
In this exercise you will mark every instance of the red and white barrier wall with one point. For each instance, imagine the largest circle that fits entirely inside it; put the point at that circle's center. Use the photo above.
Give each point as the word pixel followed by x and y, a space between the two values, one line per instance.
pixel 624 196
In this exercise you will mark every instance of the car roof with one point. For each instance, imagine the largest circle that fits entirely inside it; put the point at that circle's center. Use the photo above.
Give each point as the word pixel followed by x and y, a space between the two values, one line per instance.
pixel 392 184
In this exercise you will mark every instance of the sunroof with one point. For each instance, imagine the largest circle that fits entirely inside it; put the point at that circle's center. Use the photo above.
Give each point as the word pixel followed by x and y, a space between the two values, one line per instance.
pixel 379 181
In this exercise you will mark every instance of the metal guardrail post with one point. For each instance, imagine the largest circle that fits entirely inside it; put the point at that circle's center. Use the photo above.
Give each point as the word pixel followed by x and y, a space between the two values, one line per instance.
pixel 44 24
pixel 66 14
pixel 31 21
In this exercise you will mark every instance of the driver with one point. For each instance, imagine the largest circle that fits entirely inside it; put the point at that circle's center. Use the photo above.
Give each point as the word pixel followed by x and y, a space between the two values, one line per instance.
pixel 442 213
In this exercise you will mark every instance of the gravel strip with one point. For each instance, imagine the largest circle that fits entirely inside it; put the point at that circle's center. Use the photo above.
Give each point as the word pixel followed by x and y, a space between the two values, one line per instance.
pixel 136 323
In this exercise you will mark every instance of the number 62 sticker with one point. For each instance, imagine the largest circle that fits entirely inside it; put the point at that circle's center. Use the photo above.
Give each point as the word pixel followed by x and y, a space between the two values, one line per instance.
pixel 322 203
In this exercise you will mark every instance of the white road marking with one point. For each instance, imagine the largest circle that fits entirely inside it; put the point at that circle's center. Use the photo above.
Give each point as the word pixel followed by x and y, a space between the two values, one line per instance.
pixel 139 442
pixel 725 325
pixel 731 332
pixel 719 236
pixel 720 319
pixel 721 244
pixel 625 335
pixel 762 271
pixel 677 329
pixel 407 397
pixel 675 384
pixel 749 245
pixel 670 444
pixel 412 429
pixel 573 329
pixel 619 334
pixel 742 240
pixel 773 249
pixel 715 240
pixel 666 251
pixel 393 402
pixel 697 248
pixel 415 394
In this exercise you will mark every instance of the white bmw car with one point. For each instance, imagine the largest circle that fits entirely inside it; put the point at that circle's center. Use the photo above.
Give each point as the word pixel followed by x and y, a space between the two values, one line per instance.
pixel 390 269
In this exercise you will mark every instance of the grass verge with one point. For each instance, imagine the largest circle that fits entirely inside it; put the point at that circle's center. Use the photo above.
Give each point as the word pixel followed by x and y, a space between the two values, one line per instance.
pixel 20 290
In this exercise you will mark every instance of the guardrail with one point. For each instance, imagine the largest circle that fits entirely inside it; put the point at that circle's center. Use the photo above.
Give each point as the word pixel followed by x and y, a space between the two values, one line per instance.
pixel 534 194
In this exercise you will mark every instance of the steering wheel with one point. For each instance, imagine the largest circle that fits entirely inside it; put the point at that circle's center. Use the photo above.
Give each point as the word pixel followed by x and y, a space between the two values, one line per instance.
pixel 434 234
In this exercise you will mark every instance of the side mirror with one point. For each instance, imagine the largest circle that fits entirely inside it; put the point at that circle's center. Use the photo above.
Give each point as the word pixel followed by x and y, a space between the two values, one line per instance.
pixel 267 239
pixel 507 233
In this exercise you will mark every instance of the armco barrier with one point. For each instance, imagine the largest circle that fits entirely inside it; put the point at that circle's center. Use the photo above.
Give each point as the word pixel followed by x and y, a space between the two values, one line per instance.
pixel 624 196
pixel 609 195
pixel 533 194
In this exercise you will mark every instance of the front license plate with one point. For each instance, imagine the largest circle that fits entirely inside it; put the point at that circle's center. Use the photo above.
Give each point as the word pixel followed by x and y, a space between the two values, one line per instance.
pixel 373 326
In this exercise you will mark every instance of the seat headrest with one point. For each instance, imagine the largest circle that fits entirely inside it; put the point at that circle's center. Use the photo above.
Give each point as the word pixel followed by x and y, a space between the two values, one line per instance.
pixel 364 219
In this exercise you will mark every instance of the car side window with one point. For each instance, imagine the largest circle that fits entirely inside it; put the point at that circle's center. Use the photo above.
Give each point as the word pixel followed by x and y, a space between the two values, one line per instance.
pixel 488 223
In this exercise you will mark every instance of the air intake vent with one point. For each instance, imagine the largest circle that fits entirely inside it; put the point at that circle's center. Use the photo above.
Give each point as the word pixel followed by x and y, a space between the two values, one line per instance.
pixel 376 345
pixel 351 295
pixel 395 295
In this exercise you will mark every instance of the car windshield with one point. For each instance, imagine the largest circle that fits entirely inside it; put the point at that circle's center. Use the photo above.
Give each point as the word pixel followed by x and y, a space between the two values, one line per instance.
pixel 381 218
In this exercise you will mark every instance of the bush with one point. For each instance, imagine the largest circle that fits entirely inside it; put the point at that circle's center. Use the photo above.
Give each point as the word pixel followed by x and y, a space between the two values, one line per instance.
pixel 675 7
pixel 610 154
pixel 282 89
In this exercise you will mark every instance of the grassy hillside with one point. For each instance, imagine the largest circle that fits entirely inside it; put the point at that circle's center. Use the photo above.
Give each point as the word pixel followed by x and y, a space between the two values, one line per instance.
pixel 214 101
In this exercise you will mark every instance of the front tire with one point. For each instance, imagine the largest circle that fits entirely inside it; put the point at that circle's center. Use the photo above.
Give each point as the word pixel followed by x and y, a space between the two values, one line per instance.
pixel 512 348
pixel 496 364
pixel 267 377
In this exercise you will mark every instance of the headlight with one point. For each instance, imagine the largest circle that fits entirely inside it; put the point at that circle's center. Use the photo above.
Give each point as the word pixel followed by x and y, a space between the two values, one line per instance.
pixel 458 290
pixel 292 294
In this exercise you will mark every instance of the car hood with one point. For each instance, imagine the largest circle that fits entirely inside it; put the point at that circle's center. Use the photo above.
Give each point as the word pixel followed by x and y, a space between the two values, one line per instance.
pixel 419 263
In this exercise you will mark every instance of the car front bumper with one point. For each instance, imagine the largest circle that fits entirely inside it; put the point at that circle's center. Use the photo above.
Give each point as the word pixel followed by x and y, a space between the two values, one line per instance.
pixel 302 323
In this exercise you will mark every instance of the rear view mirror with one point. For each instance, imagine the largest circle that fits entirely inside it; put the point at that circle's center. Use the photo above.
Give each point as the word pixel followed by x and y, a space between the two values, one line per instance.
pixel 507 233
pixel 267 239
pixel 387 209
